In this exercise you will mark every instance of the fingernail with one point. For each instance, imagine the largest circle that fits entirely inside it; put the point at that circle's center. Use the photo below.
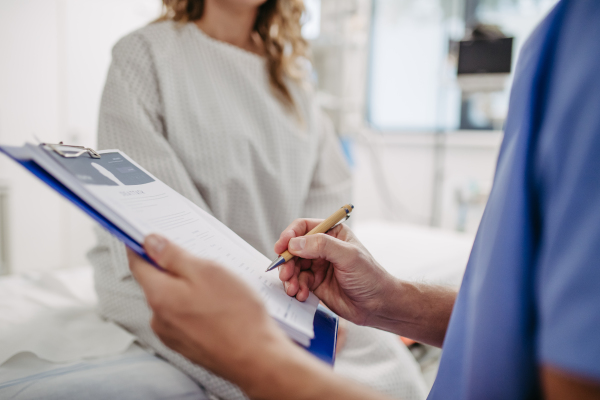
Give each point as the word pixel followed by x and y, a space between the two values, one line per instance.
pixel 286 285
pixel 155 244
pixel 297 244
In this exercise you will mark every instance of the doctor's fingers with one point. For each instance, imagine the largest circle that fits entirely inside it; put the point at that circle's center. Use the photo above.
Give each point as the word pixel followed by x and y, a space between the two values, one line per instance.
pixel 169 256
pixel 324 247
pixel 162 290
pixel 291 284
pixel 306 280
pixel 288 270
pixel 302 226
pixel 298 227
pixel 289 273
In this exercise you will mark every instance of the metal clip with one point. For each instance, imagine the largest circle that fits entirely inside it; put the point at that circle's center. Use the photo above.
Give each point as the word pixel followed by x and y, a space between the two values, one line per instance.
pixel 81 150
pixel 343 220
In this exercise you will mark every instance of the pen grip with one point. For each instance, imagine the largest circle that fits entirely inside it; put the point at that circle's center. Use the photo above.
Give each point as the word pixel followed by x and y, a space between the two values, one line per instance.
pixel 324 226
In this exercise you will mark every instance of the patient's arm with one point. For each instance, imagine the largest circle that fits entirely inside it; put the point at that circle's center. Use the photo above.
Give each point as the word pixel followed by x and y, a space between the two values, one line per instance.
pixel 131 116
pixel 561 385
pixel 331 184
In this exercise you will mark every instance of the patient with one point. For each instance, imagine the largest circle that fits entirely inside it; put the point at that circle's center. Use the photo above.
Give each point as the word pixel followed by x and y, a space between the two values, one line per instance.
pixel 211 99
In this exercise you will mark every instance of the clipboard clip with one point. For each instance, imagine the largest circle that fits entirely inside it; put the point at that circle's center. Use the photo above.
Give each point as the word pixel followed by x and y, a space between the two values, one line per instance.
pixel 77 151
pixel 343 219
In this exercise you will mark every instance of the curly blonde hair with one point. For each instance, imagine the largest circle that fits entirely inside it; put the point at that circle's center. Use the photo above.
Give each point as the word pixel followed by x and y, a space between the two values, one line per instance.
pixel 278 26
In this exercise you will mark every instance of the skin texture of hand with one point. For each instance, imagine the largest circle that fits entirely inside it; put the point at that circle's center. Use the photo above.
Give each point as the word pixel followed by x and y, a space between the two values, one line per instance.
pixel 336 267
pixel 213 318
pixel 342 273
pixel 195 294
pixel 561 385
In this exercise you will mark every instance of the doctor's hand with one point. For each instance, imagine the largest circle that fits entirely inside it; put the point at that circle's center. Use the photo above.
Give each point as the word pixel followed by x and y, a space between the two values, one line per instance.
pixel 208 314
pixel 213 318
pixel 337 268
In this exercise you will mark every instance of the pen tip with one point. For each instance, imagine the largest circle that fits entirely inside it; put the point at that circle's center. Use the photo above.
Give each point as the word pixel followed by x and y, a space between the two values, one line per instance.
pixel 278 261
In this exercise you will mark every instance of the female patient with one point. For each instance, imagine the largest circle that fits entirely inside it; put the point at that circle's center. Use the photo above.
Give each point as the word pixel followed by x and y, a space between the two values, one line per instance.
pixel 211 100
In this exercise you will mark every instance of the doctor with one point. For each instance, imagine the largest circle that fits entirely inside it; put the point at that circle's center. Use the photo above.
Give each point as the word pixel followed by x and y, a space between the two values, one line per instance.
pixel 526 322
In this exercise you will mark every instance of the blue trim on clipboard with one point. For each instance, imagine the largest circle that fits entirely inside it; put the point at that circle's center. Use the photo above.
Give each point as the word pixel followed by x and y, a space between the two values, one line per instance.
pixel 323 344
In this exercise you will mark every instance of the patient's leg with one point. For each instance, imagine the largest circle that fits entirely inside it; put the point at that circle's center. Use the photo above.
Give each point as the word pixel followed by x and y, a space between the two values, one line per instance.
pixel 120 299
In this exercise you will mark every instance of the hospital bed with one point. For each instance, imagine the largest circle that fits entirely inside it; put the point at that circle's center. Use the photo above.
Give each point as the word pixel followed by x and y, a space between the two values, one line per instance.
pixel 54 346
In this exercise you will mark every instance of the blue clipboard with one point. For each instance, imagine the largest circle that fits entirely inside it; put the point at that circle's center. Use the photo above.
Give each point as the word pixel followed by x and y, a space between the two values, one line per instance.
pixel 325 323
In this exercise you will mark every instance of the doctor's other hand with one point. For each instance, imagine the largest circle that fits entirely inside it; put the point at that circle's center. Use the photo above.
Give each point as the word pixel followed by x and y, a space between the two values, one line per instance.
pixel 337 268
pixel 208 314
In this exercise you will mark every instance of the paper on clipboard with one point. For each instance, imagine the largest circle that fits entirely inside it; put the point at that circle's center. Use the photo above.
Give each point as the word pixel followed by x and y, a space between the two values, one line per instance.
pixel 139 204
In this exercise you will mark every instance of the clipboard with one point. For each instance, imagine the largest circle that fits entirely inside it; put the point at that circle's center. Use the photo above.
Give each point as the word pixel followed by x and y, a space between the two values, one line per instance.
pixel 325 324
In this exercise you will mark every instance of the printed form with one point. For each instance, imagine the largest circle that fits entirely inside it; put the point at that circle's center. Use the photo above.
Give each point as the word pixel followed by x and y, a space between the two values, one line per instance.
pixel 146 205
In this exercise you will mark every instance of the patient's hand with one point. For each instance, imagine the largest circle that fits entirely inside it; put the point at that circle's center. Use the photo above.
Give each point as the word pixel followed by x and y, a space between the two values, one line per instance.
pixel 337 268
pixel 208 314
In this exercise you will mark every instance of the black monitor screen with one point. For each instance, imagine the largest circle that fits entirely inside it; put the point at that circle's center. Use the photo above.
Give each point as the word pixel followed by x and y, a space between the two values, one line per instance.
pixel 485 56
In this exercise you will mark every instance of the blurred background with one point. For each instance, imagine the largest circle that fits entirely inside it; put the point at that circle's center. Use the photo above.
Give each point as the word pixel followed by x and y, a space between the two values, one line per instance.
pixel 418 109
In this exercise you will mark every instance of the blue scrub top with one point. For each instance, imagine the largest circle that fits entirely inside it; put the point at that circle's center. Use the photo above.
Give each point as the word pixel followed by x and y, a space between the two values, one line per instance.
pixel 531 292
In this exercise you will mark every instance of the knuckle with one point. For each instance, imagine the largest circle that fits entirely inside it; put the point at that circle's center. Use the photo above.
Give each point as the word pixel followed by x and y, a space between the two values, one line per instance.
pixel 354 253
pixel 321 243
pixel 157 303
pixel 296 224
pixel 156 326
pixel 151 299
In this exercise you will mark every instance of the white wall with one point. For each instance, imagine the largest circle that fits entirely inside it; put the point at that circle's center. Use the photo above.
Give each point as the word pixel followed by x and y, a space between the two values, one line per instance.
pixel 405 164
pixel 28 106
pixel 54 59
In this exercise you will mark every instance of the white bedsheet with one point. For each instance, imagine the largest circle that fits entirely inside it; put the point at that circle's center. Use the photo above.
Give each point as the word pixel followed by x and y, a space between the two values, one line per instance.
pixel 52 315
pixel 133 375
pixel 415 252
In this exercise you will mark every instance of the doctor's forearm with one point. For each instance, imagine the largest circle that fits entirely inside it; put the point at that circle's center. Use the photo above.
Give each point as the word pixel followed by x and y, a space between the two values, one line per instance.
pixel 285 371
pixel 417 311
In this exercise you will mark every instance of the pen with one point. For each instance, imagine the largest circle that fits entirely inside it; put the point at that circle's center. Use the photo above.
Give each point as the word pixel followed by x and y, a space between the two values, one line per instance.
pixel 334 220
